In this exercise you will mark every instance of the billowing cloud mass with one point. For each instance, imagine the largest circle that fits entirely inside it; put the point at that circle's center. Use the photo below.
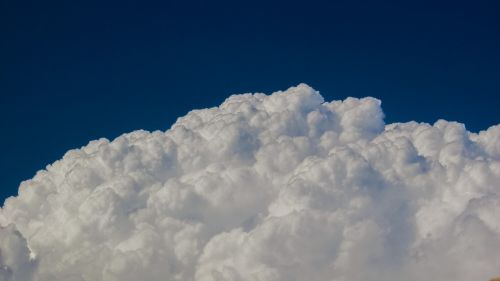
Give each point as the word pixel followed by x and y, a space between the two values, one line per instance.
pixel 277 187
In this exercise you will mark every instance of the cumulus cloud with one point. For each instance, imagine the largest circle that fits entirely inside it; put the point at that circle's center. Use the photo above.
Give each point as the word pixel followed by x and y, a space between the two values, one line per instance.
pixel 274 187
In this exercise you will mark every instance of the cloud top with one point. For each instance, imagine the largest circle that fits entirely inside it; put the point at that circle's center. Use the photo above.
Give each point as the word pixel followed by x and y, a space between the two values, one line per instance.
pixel 273 187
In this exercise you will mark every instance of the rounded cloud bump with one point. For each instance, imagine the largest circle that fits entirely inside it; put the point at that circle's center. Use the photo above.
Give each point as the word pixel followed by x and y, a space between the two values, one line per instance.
pixel 270 188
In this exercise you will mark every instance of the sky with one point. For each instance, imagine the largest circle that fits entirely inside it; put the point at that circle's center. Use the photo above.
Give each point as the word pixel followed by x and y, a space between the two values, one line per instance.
pixel 73 71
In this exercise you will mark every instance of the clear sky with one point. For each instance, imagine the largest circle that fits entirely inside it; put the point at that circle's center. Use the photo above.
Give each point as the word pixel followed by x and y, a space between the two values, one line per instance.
pixel 73 71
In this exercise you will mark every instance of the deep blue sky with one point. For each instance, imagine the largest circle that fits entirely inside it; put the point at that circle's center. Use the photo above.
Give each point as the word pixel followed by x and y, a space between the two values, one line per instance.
pixel 74 71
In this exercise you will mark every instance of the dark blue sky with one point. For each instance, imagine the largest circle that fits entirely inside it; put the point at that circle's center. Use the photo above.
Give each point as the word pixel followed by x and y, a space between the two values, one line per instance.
pixel 71 72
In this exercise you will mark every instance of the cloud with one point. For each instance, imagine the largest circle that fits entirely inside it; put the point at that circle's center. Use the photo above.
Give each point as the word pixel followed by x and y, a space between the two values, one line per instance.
pixel 265 187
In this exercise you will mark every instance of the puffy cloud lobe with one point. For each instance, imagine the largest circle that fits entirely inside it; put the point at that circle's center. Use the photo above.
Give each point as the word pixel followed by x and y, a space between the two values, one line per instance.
pixel 268 188
pixel 15 260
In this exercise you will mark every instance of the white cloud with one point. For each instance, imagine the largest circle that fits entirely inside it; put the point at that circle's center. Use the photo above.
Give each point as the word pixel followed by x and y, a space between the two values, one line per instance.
pixel 16 263
pixel 279 187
